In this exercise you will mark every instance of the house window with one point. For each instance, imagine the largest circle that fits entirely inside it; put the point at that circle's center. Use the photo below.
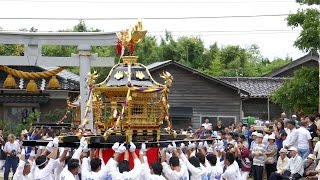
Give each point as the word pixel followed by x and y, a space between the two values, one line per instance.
pixel 179 123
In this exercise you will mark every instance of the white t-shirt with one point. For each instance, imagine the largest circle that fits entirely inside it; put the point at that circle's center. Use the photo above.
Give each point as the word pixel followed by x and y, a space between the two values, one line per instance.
pixel 214 172
pixel 303 138
pixel 196 172
pixel 58 170
pixel 66 175
pixel 183 174
pixel 205 125
pixel 287 130
pixel 8 147
pixel 145 172
pixel 232 172
pixel 87 174
pixel 292 139
pixel 317 149
pixel 134 174
pixel 46 172
pixel 19 172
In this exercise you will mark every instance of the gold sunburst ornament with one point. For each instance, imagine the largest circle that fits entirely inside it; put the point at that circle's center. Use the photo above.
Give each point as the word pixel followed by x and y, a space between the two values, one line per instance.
pixel 139 75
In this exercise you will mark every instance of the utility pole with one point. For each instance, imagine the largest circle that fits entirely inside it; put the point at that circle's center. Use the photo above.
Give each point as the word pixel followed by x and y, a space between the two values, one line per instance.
pixel 239 92
pixel 187 54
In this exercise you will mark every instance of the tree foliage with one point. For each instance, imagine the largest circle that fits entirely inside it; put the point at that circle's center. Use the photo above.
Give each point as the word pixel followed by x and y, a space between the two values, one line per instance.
pixel 309 20
pixel 10 128
pixel 299 94
pixel 229 60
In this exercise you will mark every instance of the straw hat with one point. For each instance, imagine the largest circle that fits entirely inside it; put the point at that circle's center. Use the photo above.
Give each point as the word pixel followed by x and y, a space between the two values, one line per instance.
pixel 311 156
pixel 272 137
pixel 259 135
pixel 283 150
pixel 24 131
pixel 254 133
pixel 316 139
pixel 293 149
pixel 267 130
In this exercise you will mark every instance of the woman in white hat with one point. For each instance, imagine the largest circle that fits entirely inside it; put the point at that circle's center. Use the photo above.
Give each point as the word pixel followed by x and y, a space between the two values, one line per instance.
pixel 271 153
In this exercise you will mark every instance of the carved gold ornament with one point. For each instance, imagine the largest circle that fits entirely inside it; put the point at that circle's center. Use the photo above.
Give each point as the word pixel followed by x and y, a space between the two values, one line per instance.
pixel 119 75
pixel 133 35
pixel 139 75
pixel 167 78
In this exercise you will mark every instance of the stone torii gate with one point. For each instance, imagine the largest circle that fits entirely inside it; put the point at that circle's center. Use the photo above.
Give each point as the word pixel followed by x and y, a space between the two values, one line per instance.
pixel 33 42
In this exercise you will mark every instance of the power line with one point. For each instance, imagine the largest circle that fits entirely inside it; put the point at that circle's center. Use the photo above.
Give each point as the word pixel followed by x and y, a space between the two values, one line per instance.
pixel 226 31
pixel 151 2
pixel 146 18
pixel 227 34
pixel 210 32
pixel 194 31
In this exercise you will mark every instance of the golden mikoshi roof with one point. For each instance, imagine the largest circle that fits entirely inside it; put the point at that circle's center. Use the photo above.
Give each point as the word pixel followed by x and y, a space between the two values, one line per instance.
pixel 129 75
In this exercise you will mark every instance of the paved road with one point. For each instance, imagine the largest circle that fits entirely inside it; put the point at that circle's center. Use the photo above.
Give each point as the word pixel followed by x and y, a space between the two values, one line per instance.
pixel 1 174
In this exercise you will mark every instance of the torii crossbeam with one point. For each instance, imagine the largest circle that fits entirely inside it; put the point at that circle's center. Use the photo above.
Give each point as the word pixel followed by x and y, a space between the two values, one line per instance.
pixel 33 42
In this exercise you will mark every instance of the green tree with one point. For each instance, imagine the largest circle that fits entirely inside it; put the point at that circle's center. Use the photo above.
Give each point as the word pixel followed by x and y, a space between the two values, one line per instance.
pixel 267 66
pixel 309 20
pixel 11 49
pixel 10 128
pixel 300 93
pixel 55 115
pixel 216 67
pixel 168 48
pixel 192 50
pixel 148 50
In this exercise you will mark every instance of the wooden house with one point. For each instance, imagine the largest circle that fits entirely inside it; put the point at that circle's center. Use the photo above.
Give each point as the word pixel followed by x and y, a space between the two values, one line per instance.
pixel 195 96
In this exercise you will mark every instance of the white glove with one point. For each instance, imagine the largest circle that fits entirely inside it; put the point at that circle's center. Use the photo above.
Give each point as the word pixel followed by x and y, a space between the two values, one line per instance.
pixel 85 148
pixel 200 145
pixel 83 142
pixel 143 147
pixel 122 148
pixel 206 144
pixel 182 146
pixel 168 156
pixel 170 148
pixel 174 145
pixel 23 151
pixel 115 147
pixel 191 145
pixel 33 153
pixel 209 150
pixel 49 146
pixel 55 142
pixel 132 147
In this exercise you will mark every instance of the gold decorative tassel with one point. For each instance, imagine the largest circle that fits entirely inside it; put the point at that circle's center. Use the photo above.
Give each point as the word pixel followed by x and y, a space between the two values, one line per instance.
pixel 10 82
pixel 32 86
pixel 53 83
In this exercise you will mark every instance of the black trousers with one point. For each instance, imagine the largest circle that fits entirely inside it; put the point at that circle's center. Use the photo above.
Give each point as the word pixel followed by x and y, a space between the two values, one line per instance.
pixel 257 172
pixel 285 175
pixel 270 168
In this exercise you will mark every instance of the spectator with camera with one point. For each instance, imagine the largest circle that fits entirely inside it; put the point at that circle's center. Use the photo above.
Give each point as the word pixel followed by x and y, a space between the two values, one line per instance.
pixel 11 148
